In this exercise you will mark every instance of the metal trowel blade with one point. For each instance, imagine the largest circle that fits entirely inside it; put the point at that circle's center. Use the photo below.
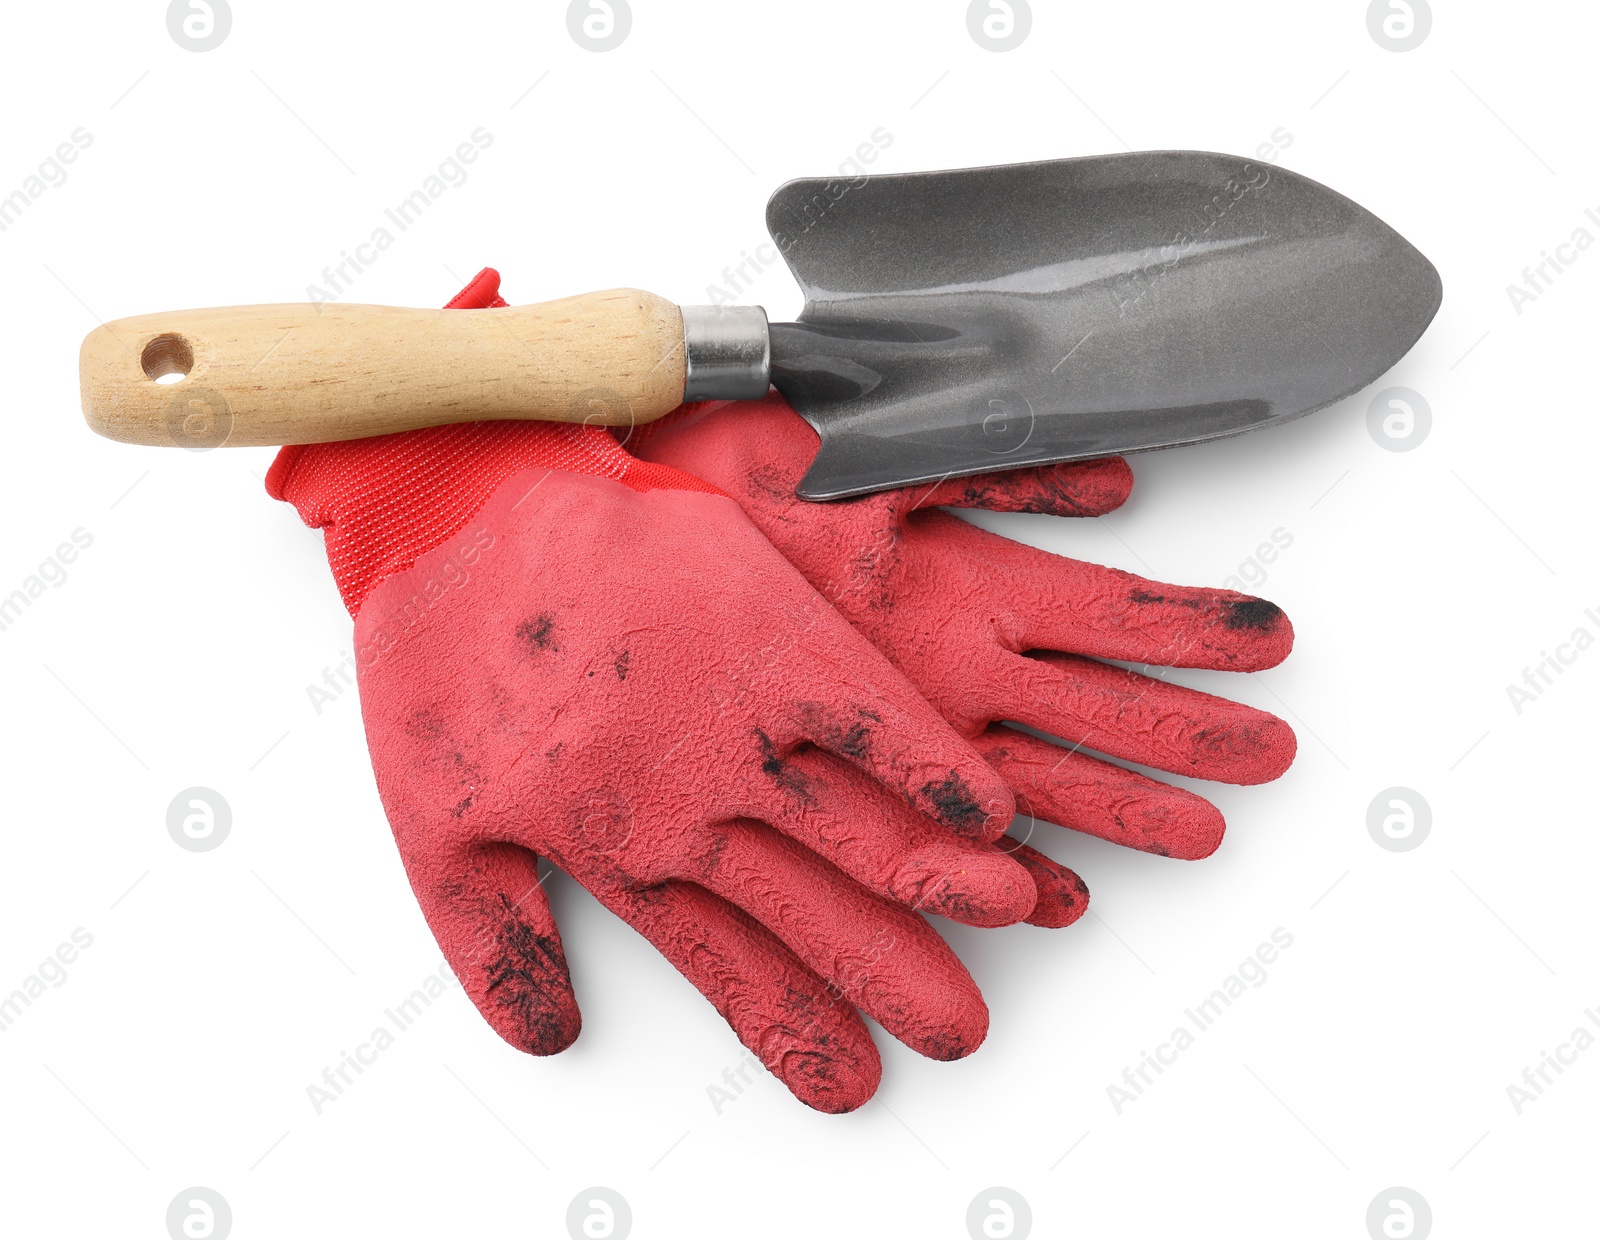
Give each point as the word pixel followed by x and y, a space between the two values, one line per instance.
pixel 989 318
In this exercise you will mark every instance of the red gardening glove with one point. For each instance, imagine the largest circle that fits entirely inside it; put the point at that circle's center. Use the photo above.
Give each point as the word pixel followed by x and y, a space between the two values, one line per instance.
pixel 990 630
pixel 565 652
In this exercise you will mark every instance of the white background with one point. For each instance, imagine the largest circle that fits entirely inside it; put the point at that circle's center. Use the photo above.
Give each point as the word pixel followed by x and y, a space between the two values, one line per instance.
pixel 178 649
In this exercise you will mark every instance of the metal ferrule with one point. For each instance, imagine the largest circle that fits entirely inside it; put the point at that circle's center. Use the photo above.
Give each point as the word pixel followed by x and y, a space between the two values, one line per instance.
pixel 729 353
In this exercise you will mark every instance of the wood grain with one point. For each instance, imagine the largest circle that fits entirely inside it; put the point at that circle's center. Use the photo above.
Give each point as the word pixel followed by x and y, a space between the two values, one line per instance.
pixel 304 373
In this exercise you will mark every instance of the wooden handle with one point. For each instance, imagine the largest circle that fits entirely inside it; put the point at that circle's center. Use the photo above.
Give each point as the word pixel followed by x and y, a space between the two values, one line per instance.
pixel 258 375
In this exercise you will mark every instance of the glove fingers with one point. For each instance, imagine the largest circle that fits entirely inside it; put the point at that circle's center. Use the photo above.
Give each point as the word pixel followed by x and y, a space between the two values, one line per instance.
pixel 1062 604
pixel 842 815
pixel 1084 794
pixel 810 1039
pixel 489 914
pixel 1072 489
pixel 881 957
pixel 1063 896
pixel 883 727
pixel 1139 719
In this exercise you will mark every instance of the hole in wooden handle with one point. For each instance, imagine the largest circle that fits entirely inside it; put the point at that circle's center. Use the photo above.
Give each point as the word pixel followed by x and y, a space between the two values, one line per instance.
pixel 167 358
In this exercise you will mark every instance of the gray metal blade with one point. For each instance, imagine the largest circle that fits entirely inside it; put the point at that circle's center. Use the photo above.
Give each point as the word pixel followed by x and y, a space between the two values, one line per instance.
pixel 988 318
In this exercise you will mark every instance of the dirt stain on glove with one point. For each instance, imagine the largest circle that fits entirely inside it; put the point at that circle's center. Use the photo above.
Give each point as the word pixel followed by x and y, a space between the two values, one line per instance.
pixel 536 634
pixel 784 775
pixel 529 979
pixel 955 806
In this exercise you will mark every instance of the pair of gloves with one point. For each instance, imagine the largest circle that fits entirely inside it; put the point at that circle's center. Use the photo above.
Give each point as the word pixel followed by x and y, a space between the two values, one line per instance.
pixel 765 733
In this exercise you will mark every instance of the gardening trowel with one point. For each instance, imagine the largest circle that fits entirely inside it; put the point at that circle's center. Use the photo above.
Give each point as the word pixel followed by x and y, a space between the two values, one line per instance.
pixel 955 323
